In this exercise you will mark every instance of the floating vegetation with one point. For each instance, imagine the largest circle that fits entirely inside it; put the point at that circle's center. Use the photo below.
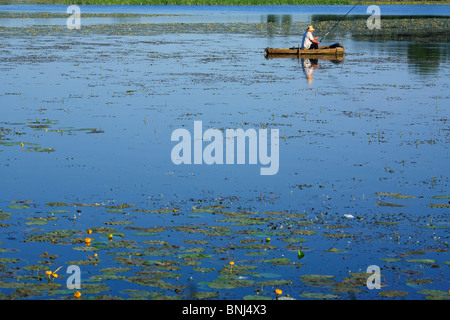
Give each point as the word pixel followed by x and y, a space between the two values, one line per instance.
pixel 279 261
pixel 395 195
pixel 334 250
pixel 18 206
pixel 392 293
pixel 432 294
pixel 423 261
pixel 204 295
pixel 319 296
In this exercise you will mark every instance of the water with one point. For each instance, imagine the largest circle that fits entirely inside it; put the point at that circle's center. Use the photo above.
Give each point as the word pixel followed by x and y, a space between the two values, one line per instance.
pixel 366 136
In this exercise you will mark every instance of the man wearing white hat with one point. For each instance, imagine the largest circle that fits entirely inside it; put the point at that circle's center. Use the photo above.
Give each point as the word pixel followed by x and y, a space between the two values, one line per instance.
pixel 309 42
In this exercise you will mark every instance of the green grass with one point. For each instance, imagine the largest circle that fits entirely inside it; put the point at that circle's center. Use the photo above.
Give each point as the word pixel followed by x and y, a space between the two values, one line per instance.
pixel 222 2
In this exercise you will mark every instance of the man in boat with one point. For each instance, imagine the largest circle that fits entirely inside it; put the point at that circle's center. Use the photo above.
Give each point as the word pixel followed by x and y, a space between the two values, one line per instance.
pixel 309 42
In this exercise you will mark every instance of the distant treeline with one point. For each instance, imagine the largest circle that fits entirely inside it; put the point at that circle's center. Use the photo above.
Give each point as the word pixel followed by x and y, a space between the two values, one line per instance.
pixel 221 2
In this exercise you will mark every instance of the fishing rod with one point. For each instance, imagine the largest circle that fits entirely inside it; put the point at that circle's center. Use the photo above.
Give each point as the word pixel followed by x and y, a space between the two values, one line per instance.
pixel 339 21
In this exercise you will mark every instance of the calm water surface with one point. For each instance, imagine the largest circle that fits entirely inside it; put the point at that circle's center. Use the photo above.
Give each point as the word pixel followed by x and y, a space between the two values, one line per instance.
pixel 367 136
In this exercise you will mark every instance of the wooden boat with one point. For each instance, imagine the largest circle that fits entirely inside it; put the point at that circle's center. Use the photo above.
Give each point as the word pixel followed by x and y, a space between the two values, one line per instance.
pixel 324 50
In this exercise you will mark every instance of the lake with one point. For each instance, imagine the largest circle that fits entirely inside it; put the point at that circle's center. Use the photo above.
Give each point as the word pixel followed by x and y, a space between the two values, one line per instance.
pixel 86 123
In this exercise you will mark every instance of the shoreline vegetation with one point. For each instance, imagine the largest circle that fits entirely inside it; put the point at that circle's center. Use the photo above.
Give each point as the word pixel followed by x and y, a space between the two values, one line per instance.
pixel 226 2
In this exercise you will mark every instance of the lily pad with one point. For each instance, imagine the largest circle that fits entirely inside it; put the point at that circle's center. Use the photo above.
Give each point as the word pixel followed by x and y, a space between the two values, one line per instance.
pixel 114 210
pixel 204 295
pixel 334 250
pixel 392 293
pixel 424 261
pixel 441 197
pixel 256 297
pixel 115 223
pixel 278 261
pixel 440 205
pixel 58 211
pixel 320 296
pixel 275 283
pixel 9 260
pixel 18 206
pixel 56 204
pixel 390 259
pixel 203 269
pixel 36 267
pixel 435 294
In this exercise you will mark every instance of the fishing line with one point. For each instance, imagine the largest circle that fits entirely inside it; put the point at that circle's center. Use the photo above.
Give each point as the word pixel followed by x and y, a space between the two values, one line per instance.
pixel 339 21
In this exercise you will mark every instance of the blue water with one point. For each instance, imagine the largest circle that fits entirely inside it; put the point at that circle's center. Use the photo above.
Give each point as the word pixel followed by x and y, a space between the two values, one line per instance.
pixel 376 122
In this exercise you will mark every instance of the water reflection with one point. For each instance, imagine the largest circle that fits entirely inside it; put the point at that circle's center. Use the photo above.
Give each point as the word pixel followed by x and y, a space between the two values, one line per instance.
pixel 426 58
pixel 308 66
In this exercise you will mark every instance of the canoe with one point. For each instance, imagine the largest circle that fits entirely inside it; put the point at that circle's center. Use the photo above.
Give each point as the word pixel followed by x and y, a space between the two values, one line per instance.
pixel 325 50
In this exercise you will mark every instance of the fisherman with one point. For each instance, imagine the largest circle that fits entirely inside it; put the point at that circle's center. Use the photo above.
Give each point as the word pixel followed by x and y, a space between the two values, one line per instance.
pixel 309 42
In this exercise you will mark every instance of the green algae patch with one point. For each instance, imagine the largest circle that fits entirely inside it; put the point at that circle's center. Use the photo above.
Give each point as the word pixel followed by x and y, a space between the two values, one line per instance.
pixel 261 246
pixel 435 294
pixel 203 269
pixel 392 293
pixel 319 296
pixel 304 232
pixel 156 242
pixel 274 282
pixel 228 282
pixel 390 259
pixel 116 223
pixel 9 260
pixel 36 267
pixel 58 211
pixel 193 256
pixel 423 261
pixel 334 250
pixel 441 197
pixel 122 206
pixel 141 294
pixel 389 204
pixel 202 210
pixel 256 253
pixel 39 221
pixel 293 240
pixel 18 206
pixel 278 261
pixel 439 205
pixel 395 195
pixel 204 295
pixel 417 282
pixel 238 269
pixel 114 210
pixel 196 241
pixel 337 235
pixel 56 204
pixel 5 215
pixel 103 230
pixel 318 280
pixel 85 248
pixel 256 297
